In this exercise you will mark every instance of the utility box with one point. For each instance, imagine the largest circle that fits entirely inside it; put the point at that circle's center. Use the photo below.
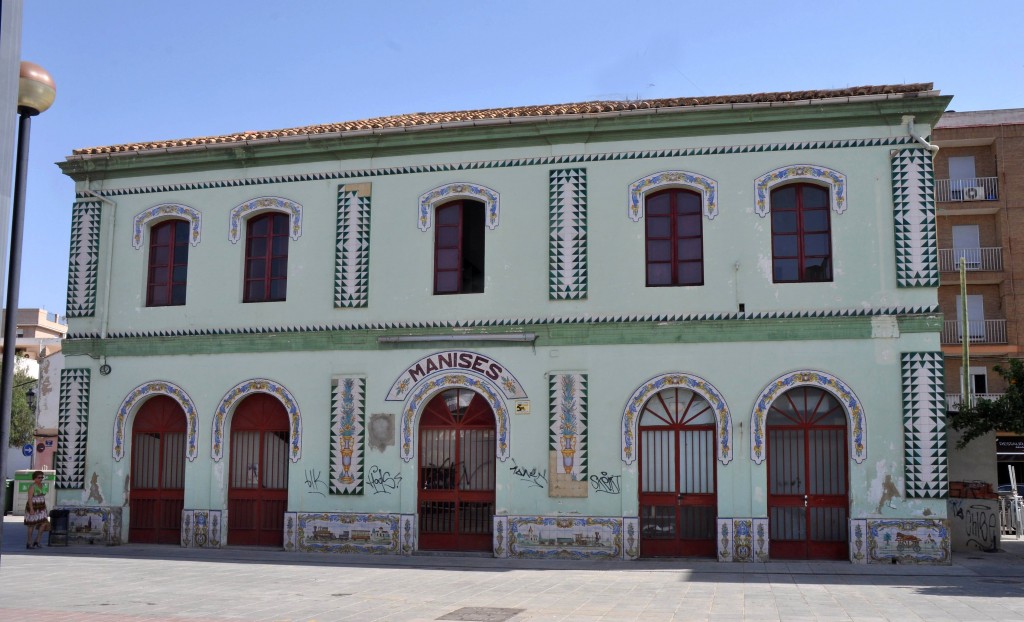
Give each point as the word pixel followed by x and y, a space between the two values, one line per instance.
pixel 22 482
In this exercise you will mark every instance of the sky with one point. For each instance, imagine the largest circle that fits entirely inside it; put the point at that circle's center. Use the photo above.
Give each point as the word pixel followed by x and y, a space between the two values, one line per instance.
pixel 141 70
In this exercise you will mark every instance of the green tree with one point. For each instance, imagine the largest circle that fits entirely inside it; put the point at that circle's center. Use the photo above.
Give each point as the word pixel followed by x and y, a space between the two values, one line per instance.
pixel 23 418
pixel 1005 414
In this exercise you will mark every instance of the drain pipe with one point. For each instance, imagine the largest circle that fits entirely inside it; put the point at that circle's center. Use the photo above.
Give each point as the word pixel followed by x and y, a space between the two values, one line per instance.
pixel 110 258
pixel 909 120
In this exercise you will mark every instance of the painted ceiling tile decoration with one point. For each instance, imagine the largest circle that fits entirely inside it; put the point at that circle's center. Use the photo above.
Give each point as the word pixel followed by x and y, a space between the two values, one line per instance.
pixel 167 211
pixel 814 378
pixel 348 434
pixel 244 389
pixel 352 251
pixel 924 425
pixel 913 198
pixel 568 234
pixel 835 180
pixel 143 392
pixel 707 187
pixel 83 267
pixel 567 418
pixel 264 204
pixel 72 422
pixel 431 199
pixel 703 388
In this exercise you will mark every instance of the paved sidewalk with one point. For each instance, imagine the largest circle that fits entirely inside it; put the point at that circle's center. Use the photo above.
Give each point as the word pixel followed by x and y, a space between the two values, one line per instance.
pixel 136 583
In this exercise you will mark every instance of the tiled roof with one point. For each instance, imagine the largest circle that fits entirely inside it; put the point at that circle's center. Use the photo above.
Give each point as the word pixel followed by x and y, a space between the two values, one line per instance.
pixel 421 119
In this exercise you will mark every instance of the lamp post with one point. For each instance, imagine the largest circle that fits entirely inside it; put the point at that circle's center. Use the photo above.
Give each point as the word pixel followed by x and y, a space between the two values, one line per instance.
pixel 36 93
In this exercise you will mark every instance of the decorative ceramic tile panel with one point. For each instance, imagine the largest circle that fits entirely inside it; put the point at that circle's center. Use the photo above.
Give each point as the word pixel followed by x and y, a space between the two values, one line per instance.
pixel 201 529
pixel 83 266
pixel 924 425
pixel 348 435
pixel 94 525
pixel 501 536
pixel 760 538
pixel 352 250
pixel 707 187
pixel 243 390
pixel 143 392
pixel 547 537
pixel 913 199
pixel 822 380
pixel 724 539
pixel 167 211
pixel 409 532
pixel 567 432
pixel 631 538
pixel 238 214
pixel 72 424
pixel 431 199
pixel 291 531
pixel 908 542
pixel 567 249
pixel 458 361
pixel 330 532
pixel 703 388
pixel 858 541
pixel 835 180
pixel 743 540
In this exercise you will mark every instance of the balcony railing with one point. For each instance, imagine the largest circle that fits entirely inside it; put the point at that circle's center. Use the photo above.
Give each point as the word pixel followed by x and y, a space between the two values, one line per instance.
pixel 979 331
pixel 977 259
pixel 953 400
pixel 976 189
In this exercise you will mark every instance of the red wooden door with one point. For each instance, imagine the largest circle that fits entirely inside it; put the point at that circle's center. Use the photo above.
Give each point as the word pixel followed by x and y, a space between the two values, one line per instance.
pixel 808 483
pixel 456 472
pixel 678 494
pixel 258 492
pixel 157 495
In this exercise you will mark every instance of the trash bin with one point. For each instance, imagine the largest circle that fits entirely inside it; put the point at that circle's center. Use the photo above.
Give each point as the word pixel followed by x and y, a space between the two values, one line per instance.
pixel 8 496
pixel 59 520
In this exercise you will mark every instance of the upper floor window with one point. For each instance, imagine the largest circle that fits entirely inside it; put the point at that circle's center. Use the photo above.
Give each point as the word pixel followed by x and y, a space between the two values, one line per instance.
pixel 675 246
pixel 168 263
pixel 266 257
pixel 801 234
pixel 459 248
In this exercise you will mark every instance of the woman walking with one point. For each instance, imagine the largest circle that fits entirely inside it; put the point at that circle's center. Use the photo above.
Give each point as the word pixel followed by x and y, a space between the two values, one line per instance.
pixel 36 516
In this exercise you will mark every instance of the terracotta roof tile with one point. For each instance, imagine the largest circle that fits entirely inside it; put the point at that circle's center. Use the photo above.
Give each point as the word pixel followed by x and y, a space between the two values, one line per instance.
pixel 417 119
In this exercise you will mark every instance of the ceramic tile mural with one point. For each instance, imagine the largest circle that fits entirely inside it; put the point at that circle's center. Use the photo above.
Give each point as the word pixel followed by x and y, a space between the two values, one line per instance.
pixel 835 180
pixel 83 264
pixel 567 254
pixel 167 211
pixel 409 532
pixel 94 525
pixel 431 199
pixel 725 539
pixel 72 421
pixel 352 250
pixel 567 420
pixel 140 394
pixel 348 435
pixel 631 538
pixel 564 537
pixel 858 541
pixel 908 541
pixel 760 539
pixel 707 187
pixel 501 536
pixel 238 214
pixel 202 529
pixel 348 533
pixel 924 425
pixel 291 531
pixel 243 390
pixel 913 198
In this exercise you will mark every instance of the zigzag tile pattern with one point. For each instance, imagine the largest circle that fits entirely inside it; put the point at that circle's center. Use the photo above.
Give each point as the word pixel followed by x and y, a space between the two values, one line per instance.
pixel 924 425
pixel 72 419
pixel 913 198
pixel 83 266
pixel 567 243
pixel 352 252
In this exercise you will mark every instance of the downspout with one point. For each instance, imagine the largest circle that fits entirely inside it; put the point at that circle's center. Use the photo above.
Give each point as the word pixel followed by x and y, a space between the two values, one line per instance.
pixel 909 120
pixel 105 316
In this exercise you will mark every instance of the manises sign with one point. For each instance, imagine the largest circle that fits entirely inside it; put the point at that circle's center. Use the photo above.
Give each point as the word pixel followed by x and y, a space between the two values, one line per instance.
pixel 462 361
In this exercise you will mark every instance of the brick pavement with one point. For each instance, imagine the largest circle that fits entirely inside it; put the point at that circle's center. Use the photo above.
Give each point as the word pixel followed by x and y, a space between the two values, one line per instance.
pixel 139 583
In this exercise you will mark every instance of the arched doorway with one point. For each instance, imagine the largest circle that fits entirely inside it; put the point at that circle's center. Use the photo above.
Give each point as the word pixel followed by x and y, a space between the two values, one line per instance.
pixel 808 480
pixel 157 495
pixel 258 490
pixel 456 472
pixel 678 494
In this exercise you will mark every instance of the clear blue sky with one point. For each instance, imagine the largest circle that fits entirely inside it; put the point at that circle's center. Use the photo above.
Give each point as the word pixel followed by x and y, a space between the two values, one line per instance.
pixel 137 70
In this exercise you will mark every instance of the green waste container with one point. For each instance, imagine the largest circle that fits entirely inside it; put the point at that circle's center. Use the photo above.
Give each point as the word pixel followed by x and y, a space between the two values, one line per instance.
pixel 8 496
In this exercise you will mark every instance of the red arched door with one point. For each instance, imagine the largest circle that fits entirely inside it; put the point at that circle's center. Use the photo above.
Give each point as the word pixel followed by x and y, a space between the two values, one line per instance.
pixel 158 472
pixel 678 495
pixel 456 475
pixel 808 485
pixel 258 492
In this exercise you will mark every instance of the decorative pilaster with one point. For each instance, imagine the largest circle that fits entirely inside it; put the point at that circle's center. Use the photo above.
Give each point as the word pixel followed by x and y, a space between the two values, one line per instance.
pixel 568 234
pixel 352 251
pixel 348 439
pixel 567 432
pixel 924 425
pixel 72 424
pixel 913 198
pixel 83 265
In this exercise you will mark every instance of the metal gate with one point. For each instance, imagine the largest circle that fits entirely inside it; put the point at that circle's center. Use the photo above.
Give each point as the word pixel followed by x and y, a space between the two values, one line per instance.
pixel 808 484
pixel 678 494
pixel 258 491
pixel 157 494
pixel 456 472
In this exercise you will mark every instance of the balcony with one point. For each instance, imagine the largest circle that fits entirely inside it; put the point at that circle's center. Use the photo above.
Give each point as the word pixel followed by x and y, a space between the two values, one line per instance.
pixel 960 190
pixel 979 331
pixel 953 400
pixel 978 259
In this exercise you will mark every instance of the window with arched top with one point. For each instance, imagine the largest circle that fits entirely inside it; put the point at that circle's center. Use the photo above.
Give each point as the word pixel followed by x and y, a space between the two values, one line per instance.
pixel 167 274
pixel 459 248
pixel 266 257
pixel 801 233
pixel 674 238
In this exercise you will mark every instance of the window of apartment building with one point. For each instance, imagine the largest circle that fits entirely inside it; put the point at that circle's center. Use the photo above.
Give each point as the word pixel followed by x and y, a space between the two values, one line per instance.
pixel 979 380
pixel 801 234
pixel 266 258
pixel 675 245
pixel 975 317
pixel 459 248
pixel 168 264
pixel 967 244
pixel 961 170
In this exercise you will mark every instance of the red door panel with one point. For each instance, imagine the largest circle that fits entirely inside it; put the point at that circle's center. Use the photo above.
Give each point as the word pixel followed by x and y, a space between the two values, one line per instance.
pixel 258 489
pixel 157 495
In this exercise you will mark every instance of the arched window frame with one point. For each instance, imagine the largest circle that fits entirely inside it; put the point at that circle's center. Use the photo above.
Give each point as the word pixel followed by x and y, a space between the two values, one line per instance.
pixel 145 219
pixel 435 197
pixel 834 180
pixel 226 409
pixel 137 397
pixel 639 189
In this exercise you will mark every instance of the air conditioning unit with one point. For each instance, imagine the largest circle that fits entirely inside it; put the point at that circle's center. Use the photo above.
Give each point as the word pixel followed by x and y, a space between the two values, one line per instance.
pixel 974 193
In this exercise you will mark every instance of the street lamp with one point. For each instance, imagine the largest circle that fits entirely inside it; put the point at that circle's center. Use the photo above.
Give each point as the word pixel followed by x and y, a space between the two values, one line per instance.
pixel 36 92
